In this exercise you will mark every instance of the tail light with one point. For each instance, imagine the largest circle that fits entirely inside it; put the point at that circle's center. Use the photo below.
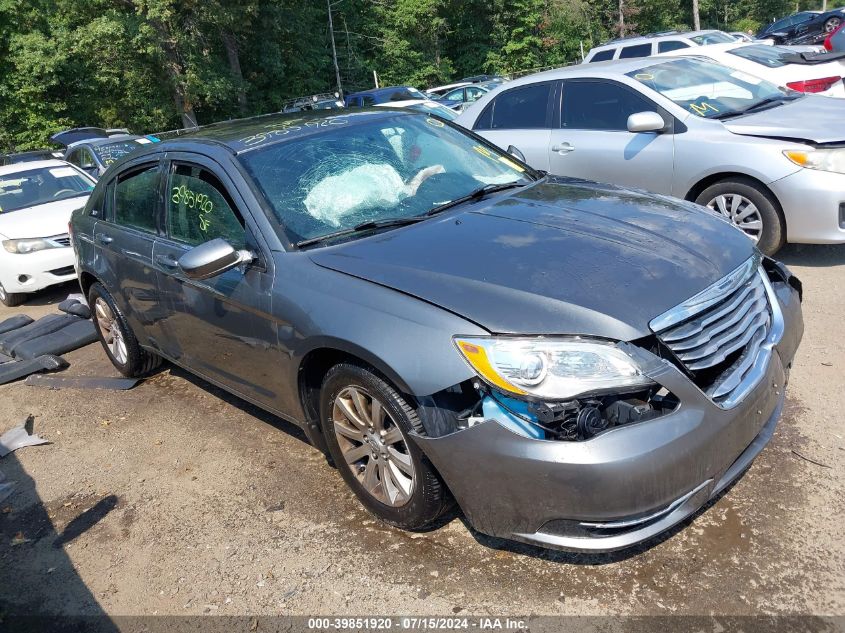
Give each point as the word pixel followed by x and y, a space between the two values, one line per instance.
pixel 814 85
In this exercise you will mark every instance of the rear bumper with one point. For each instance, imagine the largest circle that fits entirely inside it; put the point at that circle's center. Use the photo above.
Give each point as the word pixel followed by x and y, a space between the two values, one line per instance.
pixel 626 485
pixel 813 205
pixel 35 271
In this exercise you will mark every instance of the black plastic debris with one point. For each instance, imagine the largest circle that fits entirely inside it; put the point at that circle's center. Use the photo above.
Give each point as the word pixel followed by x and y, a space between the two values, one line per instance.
pixel 21 368
pixel 45 325
pixel 75 307
pixel 80 382
pixel 52 334
pixel 19 437
pixel 73 336
pixel 15 322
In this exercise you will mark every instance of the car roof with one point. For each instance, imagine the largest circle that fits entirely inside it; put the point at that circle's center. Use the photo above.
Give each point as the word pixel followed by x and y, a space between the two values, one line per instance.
pixel 376 91
pixel 610 68
pixel 656 37
pixel 241 135
pixel 5 170
pixel 97 142
pixel 720 47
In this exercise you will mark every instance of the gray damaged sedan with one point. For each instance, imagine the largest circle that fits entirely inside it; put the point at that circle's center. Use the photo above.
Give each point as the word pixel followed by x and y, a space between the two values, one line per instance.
pixel 577 365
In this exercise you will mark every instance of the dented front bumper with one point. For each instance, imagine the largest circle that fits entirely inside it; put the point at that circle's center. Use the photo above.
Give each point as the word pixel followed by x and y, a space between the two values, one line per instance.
pixel 628 484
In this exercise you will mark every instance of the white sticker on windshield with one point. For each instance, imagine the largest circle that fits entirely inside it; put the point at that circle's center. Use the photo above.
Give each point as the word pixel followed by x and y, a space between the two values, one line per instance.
pixel 143 141
pixel 63 172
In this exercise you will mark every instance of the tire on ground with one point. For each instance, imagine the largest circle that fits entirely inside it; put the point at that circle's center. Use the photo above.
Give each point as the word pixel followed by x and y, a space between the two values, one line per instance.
pixel 11 299
pixel 773 235
pixel 138 361
pixel 429 496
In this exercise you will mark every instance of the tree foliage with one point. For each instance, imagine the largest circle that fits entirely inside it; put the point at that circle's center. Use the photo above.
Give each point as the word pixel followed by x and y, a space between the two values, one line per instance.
pixel 153 65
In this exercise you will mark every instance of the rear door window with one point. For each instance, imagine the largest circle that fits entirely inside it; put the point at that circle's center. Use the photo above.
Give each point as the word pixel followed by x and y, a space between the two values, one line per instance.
pixel 522 108
pixel 82 158
pixel 671 45
pixel 473 94
pixel 600 105
pixel 136 196
pixel 603 56
pixel 639 50
pixel 199 209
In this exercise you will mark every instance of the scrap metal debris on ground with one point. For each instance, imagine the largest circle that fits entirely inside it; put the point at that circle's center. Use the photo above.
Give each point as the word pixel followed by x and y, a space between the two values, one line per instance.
pixel 80 382
pixel 18 369
pixel 19 437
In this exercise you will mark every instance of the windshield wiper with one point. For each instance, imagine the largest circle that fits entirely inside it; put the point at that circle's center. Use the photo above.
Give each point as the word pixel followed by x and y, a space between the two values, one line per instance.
pixel 755 107
pixel 476 194
pixel 369 225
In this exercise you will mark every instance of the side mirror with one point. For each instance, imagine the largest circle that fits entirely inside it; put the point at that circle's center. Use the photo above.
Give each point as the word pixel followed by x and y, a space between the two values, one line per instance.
pixel 646 122
pixel 514 151
pixel 212 258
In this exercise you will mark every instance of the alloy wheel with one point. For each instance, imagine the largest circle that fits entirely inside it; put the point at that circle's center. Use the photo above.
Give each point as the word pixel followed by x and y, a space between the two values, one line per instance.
pixel 2 293
pixel 373 446
pixel 110 330
pixel 741 211
pixel 832 24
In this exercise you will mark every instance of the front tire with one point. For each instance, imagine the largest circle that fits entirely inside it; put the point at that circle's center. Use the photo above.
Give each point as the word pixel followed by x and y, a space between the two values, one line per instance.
pixel 750 208
pixel 11 299
pixel 366 424
pixel 117 337
pixel 832 24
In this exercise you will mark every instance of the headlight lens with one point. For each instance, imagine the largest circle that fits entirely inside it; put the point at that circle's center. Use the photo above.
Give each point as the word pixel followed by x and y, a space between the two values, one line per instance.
pixel 821 159
pixel 22 247
pixel 558 369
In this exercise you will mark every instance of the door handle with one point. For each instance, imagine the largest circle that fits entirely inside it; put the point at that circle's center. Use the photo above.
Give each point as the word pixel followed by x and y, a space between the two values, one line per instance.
pixel 563 148
pixel 104 239
pixel 168 261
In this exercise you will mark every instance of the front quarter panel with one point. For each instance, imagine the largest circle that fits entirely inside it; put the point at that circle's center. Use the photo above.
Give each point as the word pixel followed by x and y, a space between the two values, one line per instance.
pixel 407 339
pixel 707 149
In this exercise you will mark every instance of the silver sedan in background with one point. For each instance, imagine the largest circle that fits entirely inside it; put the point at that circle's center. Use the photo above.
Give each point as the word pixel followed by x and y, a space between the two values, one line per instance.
pixel 769 159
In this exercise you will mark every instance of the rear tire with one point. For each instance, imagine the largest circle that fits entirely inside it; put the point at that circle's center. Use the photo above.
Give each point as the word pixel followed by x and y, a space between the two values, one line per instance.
pixel 366 424
pixel 117 337
pixel 751 208
pixel 11 299
pixel 831 24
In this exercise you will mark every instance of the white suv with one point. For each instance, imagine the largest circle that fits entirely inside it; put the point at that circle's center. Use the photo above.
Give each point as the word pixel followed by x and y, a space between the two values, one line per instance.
pixel 648 45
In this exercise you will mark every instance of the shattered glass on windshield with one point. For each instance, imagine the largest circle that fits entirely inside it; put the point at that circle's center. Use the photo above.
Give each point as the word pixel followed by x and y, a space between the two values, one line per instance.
pixel 389 168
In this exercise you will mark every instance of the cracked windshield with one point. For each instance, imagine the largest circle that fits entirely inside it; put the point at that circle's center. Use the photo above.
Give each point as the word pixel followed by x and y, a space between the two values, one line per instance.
pixel 375 171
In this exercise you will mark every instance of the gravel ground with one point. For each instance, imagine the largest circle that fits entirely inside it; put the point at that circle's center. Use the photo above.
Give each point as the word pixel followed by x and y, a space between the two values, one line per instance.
pixel 175 498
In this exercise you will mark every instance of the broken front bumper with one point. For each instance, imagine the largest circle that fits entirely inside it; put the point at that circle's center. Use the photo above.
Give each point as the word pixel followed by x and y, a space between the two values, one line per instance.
pixel 627 484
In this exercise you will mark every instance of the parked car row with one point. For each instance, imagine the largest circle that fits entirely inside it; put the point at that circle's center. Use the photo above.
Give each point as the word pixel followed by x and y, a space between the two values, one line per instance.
pixel 766 157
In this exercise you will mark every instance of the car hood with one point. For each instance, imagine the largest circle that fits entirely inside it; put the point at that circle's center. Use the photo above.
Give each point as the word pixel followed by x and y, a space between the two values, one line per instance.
pixel 561 256
pixel 44 220
pixel 807 119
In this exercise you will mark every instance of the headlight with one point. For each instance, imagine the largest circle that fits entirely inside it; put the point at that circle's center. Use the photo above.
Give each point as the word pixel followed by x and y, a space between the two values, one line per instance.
pixel 821 159
pixel 548 368
pixel 21 247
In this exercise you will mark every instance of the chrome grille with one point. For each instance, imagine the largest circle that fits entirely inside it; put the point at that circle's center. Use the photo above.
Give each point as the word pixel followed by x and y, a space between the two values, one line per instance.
pixel 718 334
pixel 61 240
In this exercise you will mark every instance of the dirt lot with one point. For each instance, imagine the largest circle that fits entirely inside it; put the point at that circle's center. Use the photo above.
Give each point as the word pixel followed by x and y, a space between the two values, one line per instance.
pixel 174 498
